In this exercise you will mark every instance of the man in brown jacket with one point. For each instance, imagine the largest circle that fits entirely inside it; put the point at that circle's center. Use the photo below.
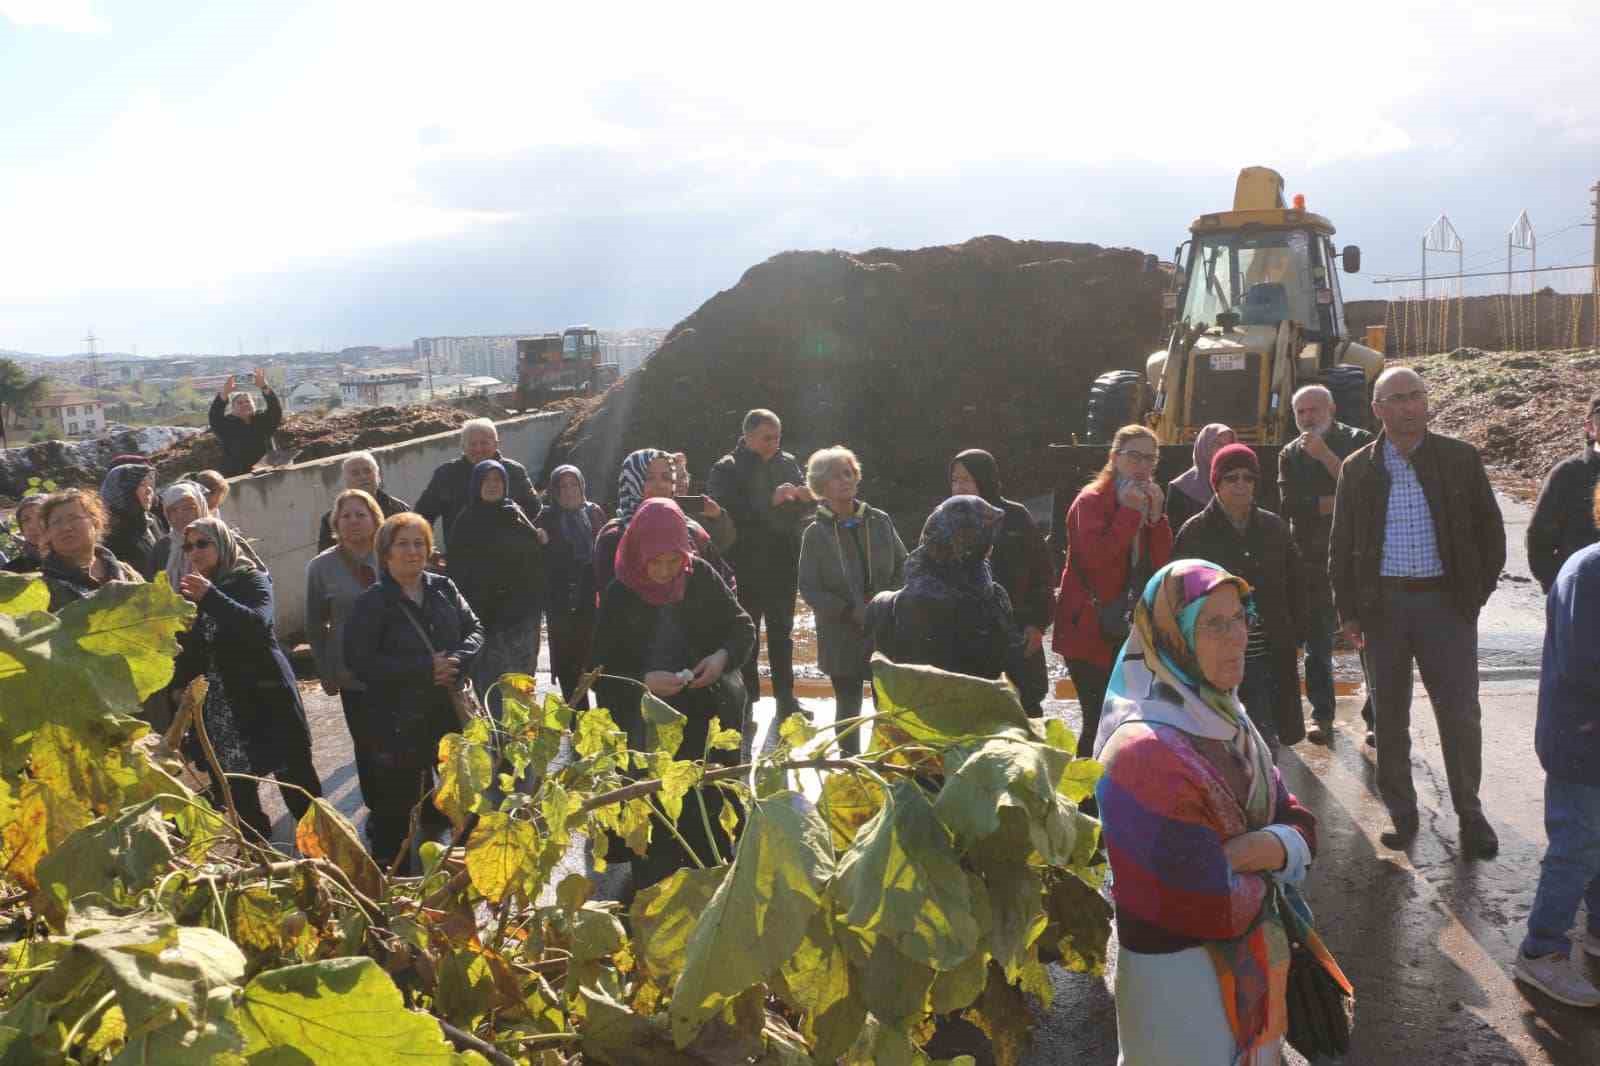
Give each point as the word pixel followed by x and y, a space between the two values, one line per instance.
pixel 1416 550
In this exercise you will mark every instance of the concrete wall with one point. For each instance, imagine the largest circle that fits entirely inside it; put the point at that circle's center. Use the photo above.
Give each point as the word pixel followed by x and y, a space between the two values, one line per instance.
pixel 279 510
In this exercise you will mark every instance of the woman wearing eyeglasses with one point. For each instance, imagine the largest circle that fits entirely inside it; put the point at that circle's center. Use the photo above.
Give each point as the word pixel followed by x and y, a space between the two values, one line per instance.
pixel 1117 534
pixel 1255 544
pixel 252 713
pixel 78 564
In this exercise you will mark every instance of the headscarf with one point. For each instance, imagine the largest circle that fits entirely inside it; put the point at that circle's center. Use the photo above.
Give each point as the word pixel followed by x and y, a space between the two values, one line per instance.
pixel 177 562
pixel 630 483
pixel 984 470
pixel 1195 482
pixel 576 528
pixel 230 559
pixel 955 544
pixel 1164 622
pixel 658 527
pixel 120 484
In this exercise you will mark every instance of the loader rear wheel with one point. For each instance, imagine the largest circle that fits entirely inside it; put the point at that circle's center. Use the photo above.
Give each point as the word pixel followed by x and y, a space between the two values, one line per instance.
pixel 1348 383
pixel 1115 399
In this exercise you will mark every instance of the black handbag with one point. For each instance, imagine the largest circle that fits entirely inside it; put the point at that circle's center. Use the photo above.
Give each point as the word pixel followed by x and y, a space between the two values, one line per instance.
pixel 1321 1001
pixel 1115 616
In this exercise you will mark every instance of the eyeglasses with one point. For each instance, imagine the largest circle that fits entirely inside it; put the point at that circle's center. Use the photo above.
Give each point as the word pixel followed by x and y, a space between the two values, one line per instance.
pixel 1239 477
pixel 1132 456
pixel 1221 627
pixel 197 545
pixel 1414 396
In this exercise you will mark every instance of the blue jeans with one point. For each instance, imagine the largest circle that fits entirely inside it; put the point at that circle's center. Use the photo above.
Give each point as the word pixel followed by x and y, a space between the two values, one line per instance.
pixel 1256 692
pixel 1570 870
pixel 1319 664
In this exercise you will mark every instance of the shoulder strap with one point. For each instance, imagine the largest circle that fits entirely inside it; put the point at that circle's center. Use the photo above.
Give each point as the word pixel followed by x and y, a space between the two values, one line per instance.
pixel 423 633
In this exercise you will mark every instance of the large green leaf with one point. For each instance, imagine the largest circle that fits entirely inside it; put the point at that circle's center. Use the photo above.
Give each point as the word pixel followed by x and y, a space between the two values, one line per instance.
pixel 849 801
pixel 115 858
pixel 1080 923
pixel 759 913
pixel 664 915
pixel 1013 771
pixel 819 983
pixel 663 726
pixel 22 594
pixel 904 880
pixel 1016 907
pixel 931 705
pixel 335 1013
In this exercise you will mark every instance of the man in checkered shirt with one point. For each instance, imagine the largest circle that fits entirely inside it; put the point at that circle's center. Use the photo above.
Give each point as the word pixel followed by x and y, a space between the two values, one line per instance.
pixel 1416 549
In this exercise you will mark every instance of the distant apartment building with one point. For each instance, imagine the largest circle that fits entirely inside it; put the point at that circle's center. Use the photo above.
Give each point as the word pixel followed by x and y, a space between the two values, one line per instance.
pixel 381 387
pixel 490 355
pixel 63 414
pixel 629 355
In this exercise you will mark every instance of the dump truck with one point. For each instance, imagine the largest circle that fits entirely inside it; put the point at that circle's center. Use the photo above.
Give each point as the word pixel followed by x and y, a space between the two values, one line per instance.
pixel 553 365
pixel 1256 313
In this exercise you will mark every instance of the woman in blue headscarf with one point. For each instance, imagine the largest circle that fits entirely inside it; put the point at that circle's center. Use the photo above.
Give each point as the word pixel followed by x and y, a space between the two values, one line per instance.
pixel 952 613
pixel 572 525
pixel 497 561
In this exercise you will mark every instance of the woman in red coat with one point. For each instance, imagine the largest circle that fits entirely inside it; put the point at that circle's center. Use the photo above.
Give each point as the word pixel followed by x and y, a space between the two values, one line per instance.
pixel 1120 510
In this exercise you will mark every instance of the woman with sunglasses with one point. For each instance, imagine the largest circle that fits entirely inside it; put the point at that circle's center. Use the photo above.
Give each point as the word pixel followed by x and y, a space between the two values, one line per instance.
pixel 78 564
pixel 252 714
pixel 1117 534
pixel 1255 544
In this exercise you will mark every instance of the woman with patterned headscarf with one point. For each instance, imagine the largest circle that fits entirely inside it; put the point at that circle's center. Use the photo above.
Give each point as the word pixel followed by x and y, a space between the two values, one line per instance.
pixel 253 715
pixel 951 613
pixel 649 474
pixel 127 492
pixel 1198 825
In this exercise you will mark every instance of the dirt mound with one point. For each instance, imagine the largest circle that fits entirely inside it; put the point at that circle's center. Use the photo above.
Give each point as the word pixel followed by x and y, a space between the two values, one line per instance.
pixel 302 438
pixel 1523 410
pixel 81 463
pixel 906 356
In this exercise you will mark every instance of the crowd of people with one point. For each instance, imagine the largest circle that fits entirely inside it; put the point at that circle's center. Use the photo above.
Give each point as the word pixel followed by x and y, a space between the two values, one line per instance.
pixel 1180 614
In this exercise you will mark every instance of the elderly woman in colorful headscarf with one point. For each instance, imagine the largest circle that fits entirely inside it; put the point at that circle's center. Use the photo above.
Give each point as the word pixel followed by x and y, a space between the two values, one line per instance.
pixel 951 613
pixel 127 492
pixel 649 474
pixel 181 503
pixel 252 713
pixel 670 624
pixel 497 561
pixel 1198 826
pixel 34 547
pixel 570 601
pixel 1191 490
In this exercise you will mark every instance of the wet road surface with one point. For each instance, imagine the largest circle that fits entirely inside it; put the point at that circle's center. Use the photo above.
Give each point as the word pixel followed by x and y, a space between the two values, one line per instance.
pixel 1427 938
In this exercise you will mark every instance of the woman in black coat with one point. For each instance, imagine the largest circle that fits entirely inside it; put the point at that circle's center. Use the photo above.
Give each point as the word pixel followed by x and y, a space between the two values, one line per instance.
pixel 252 713
pixel 670 623
pixel 1254 544
pixel 571 523
pixel 127 492
pixel 409 639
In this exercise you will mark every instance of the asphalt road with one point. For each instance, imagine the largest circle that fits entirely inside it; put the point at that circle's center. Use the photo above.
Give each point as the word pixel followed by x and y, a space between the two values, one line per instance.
pixel 1427 938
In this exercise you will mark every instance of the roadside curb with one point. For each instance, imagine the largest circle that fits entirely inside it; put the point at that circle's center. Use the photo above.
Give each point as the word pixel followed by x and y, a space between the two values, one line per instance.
pixel 1507 673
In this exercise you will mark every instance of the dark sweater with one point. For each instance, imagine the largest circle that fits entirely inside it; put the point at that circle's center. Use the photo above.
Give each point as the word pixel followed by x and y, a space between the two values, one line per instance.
pixel 1563 519
pixel 244 443
pixel 1567 735
pixel 447 492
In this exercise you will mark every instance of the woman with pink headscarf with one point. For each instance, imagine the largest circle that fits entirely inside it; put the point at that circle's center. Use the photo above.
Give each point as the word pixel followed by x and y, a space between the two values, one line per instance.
pixel 1191 490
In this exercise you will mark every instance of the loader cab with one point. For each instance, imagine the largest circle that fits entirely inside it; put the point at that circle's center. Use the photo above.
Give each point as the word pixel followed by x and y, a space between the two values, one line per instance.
pixel 1260 276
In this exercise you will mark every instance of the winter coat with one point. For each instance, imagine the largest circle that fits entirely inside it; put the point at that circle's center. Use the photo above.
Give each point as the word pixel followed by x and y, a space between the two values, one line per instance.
pixel 1264 555
pixel 569 584
pixel 1567 733
pixel 1302 481
pixel 1466 523
pixel 387 505
pixel 1563 519
pixel 835 581
pixel 132 539
pixel 769 537
pixel 256 675
pixel 68 583
pixel 707 545
pixel 952 634
pixel 712 619
pixel 497 562
pixel 405 712
pixel 447 492
pixel 1100 533
pixel 244 443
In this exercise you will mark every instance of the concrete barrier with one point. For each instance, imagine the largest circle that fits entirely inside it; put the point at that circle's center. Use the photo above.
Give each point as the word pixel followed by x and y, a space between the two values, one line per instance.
pixel 280 509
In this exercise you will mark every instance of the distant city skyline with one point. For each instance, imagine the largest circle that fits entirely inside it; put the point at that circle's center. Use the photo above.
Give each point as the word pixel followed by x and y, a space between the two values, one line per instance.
pixel 303 175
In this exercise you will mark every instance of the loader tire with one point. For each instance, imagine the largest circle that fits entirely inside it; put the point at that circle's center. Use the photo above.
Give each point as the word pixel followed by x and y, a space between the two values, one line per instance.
pixel 1348 383
pixel 1115 399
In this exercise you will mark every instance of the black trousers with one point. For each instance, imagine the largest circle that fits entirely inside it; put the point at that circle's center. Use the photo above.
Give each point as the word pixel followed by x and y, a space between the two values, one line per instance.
pixel 847 704
pixel 1420 626
pixel 571 637
pixel 767 594
pixel 1090 680
pixel 247 794
pixel 352 701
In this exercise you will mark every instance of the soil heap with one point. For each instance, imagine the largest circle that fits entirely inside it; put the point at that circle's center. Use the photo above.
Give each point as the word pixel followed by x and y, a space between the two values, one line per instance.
pixel 907 357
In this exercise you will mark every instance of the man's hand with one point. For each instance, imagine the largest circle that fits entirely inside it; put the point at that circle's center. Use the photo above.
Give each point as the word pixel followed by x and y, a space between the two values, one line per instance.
pixel 1032 640
pixel 663 683
pixel 544 537
pixel 228 387
pixel 1316 447
pixel 709 670
pixel 1352 634
pixel 1325 504
pixel 261 380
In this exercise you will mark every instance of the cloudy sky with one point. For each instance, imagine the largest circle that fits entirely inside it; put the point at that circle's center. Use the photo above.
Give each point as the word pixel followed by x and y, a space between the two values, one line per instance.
pixel 191 177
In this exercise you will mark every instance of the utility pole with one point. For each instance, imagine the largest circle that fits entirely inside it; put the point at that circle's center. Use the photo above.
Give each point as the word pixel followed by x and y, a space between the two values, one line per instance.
pixel 94 365
pixel 1594 267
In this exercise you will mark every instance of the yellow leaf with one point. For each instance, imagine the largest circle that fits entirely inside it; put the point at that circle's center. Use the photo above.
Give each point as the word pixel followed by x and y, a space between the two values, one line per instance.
pixel 728 817
pixel 723 739
pixel 677 778
pixel 38 821
pixel 324 833
pixel 23 594
pixel 500 854
pixel 465 769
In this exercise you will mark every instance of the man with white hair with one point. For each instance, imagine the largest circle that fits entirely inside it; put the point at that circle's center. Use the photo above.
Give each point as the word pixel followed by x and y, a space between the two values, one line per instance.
pixel 360 471
pixel 1416 550
pixel 1308 472
pixel 245 434
pixel 446 493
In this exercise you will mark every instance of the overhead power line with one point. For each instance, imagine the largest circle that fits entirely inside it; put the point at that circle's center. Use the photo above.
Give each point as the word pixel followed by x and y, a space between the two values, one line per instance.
pixel 1481 274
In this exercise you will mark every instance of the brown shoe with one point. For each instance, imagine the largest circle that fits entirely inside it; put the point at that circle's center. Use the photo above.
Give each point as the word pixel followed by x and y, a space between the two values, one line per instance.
pixel 1320 733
